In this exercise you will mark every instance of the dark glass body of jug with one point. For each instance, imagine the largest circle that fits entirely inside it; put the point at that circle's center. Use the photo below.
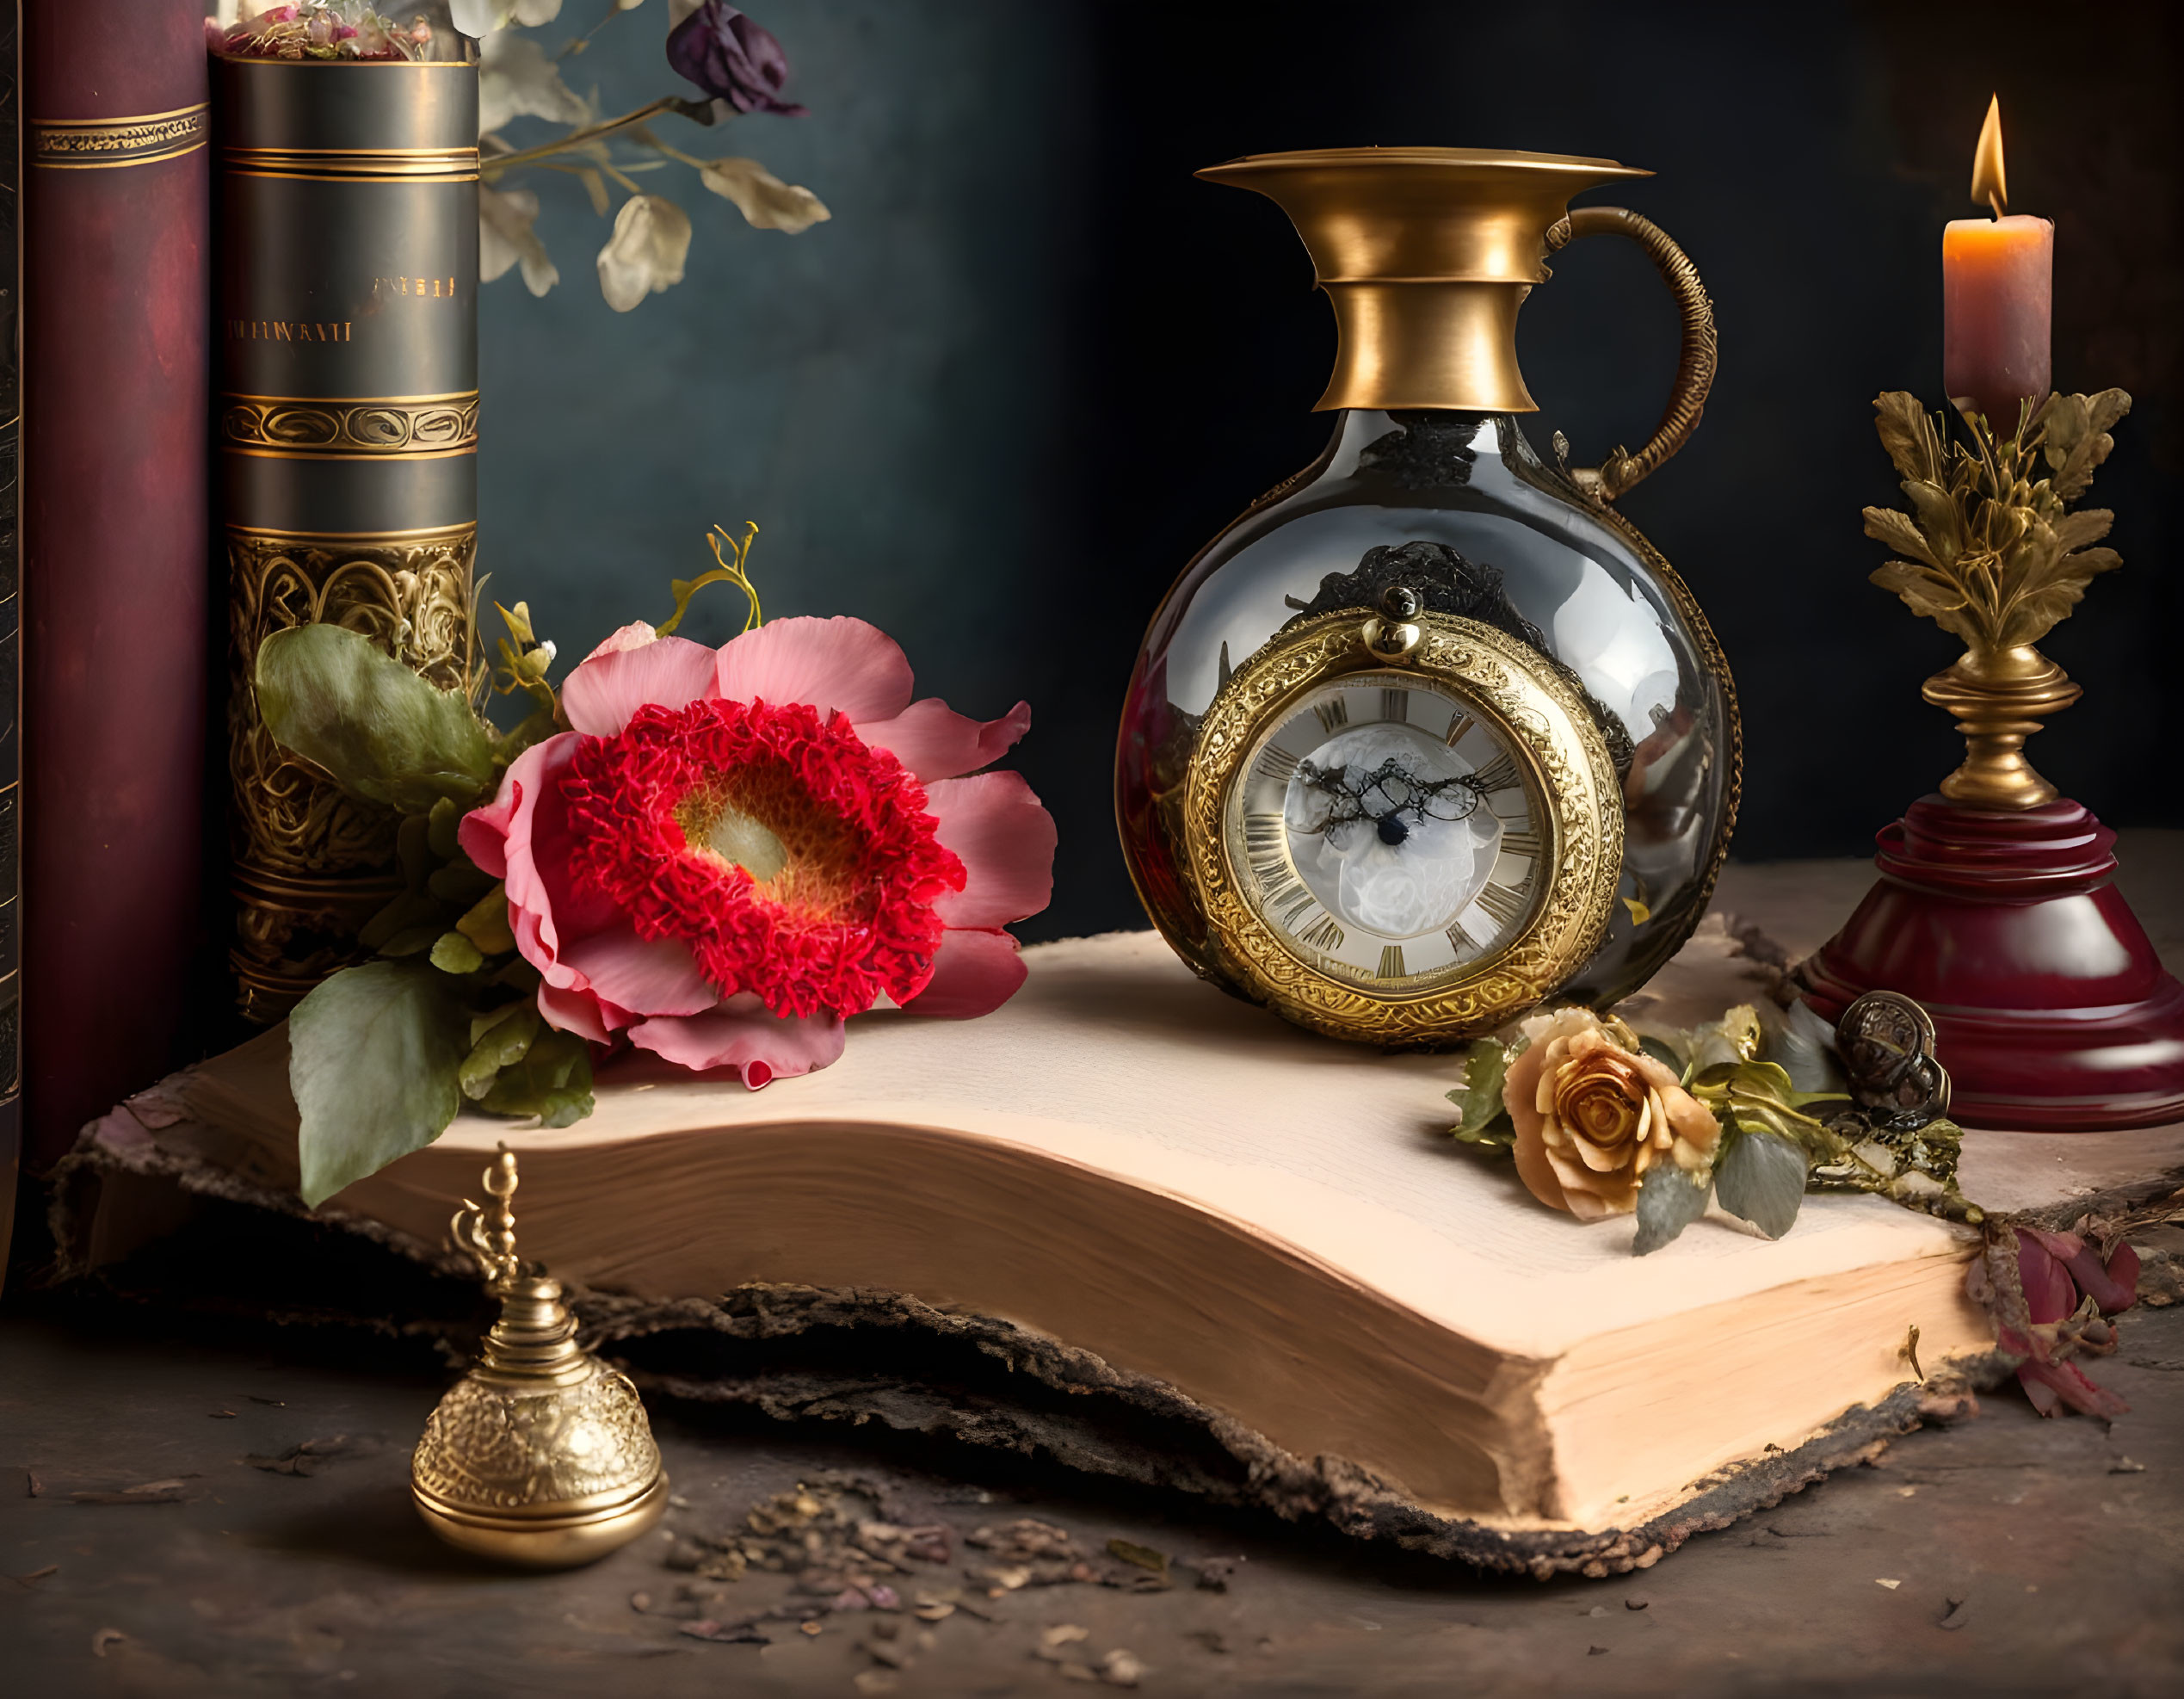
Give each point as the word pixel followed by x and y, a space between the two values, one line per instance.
pixel 1604 602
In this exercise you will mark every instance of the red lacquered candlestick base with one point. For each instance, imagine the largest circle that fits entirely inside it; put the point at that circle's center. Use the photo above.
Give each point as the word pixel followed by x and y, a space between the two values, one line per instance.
pixel 2052 1011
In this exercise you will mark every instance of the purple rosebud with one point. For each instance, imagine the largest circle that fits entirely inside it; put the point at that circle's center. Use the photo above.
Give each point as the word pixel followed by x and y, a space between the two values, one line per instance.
pixel 732 58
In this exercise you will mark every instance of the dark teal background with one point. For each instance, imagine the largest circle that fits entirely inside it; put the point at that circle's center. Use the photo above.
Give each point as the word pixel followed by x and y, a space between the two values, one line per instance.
pixel 1031 364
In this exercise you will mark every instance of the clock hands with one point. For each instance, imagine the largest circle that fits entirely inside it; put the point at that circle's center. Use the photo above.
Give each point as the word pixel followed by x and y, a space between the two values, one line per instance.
pixel 1391 797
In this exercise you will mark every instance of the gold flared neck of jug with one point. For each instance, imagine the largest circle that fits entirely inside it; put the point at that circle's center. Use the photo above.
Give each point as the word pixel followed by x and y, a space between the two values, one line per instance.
pixel 1426 253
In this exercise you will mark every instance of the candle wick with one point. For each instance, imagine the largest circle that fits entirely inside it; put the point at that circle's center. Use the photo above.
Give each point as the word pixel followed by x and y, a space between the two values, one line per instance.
pixel 1995 201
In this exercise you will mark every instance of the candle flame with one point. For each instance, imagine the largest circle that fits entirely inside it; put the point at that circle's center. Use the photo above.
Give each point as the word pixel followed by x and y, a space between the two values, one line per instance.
pixel 1988 183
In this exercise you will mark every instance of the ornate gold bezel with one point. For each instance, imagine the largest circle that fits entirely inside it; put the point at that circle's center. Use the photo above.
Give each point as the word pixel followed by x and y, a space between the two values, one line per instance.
pixel 1546 727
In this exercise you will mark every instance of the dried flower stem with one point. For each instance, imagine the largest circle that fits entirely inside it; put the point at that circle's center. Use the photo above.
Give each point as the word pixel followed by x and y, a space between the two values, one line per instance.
pixel 591 132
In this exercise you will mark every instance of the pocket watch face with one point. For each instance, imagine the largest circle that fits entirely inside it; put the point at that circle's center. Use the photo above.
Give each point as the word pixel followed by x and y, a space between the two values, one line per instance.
pixel 1409 840
pixel 1386 831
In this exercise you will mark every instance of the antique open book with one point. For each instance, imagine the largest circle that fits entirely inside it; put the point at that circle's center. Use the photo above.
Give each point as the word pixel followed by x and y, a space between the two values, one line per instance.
pixel 1130 1164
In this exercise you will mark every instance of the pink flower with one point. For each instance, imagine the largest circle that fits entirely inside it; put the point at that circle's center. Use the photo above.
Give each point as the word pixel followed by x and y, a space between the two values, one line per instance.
pixel 733 851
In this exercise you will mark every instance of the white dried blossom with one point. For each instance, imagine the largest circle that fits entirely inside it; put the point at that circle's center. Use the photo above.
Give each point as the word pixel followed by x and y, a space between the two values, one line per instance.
pixel 765 203
pixel 516 79
pixel 507 235
pixel 646 252
pixel 481 18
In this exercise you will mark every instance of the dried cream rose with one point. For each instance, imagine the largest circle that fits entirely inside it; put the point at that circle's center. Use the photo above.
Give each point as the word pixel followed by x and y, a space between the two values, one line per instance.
pixel 1591 1117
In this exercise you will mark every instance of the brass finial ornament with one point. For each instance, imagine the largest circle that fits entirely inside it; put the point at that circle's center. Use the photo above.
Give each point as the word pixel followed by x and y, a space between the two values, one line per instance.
pixel 1996 554
pixel 541 1456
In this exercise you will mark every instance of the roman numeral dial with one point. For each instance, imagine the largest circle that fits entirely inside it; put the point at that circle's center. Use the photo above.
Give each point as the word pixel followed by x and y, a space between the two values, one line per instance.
pixel 1387 833
pixel 1406 848
pixel 1499 774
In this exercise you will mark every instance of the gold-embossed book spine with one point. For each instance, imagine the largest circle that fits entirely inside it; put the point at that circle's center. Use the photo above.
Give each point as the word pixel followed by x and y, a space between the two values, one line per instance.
pixel 347 429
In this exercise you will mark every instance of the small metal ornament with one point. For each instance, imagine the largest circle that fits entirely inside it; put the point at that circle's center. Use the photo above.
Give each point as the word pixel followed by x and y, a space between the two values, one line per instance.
pixel 1886 1041
pixel 541 1456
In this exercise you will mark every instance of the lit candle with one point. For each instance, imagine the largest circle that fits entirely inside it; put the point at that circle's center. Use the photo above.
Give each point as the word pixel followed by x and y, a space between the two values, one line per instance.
pixel 1997 288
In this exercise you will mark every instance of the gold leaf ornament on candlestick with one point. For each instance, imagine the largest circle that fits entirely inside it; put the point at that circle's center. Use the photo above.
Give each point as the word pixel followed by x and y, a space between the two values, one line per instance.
pixel 1992 552
pixel 541 1456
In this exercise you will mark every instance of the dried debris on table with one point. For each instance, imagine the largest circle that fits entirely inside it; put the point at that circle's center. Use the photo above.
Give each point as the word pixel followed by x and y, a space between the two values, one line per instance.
pixel 833 1534
pixel 175 1490
pixel 1059 1645
pixel 1214 1574
pixel 314 1455
pixel 850 1549
pixel 1028 1552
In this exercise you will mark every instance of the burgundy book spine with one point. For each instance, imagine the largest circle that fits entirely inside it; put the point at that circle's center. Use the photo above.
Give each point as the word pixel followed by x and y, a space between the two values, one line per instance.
pixel 10 629
pixel 115 317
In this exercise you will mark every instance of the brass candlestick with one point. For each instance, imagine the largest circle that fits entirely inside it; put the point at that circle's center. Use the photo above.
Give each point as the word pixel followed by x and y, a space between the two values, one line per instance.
pixel 1996 908
pixel 541 1456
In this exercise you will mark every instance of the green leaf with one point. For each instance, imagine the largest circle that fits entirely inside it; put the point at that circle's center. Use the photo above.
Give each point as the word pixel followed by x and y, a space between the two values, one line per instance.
pixel 505 1041
pixel 482 1024
pixel 1760 1177
pixel 406 913
pixel 486 923
pixel 413 940
pixel 374 1054
pixel 1668 1201
pixel 441 827
pixel 413 849
pixel 1661 1052
pixel 383 734
pixel 552 1082
pixel 1804 1049
pixel 453 953
pixel 1755 1092
pixel 1478 1101
pixel 461 882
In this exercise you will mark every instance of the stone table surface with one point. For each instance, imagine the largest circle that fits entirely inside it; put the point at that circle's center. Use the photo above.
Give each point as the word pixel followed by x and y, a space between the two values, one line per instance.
pixel 2004 1555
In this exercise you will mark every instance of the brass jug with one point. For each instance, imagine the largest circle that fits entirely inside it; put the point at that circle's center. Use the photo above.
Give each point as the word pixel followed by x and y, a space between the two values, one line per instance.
pixel 1524 768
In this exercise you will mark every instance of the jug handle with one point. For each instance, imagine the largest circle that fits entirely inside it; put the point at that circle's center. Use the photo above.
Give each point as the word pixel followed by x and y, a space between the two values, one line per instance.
pixel 1695 365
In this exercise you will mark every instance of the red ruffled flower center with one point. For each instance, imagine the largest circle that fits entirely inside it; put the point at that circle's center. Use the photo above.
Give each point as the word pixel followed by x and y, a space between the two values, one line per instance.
pixel 795 860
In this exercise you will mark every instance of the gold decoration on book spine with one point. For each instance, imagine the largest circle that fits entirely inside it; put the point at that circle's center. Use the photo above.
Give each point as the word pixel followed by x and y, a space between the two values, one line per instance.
pixel 310 862
pixel 426 165
pixel 542 1455
pixel 102 144
pixel 384 425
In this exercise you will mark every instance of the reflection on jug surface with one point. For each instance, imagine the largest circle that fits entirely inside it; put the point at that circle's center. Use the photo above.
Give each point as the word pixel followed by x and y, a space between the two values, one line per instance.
pixel 1429 520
